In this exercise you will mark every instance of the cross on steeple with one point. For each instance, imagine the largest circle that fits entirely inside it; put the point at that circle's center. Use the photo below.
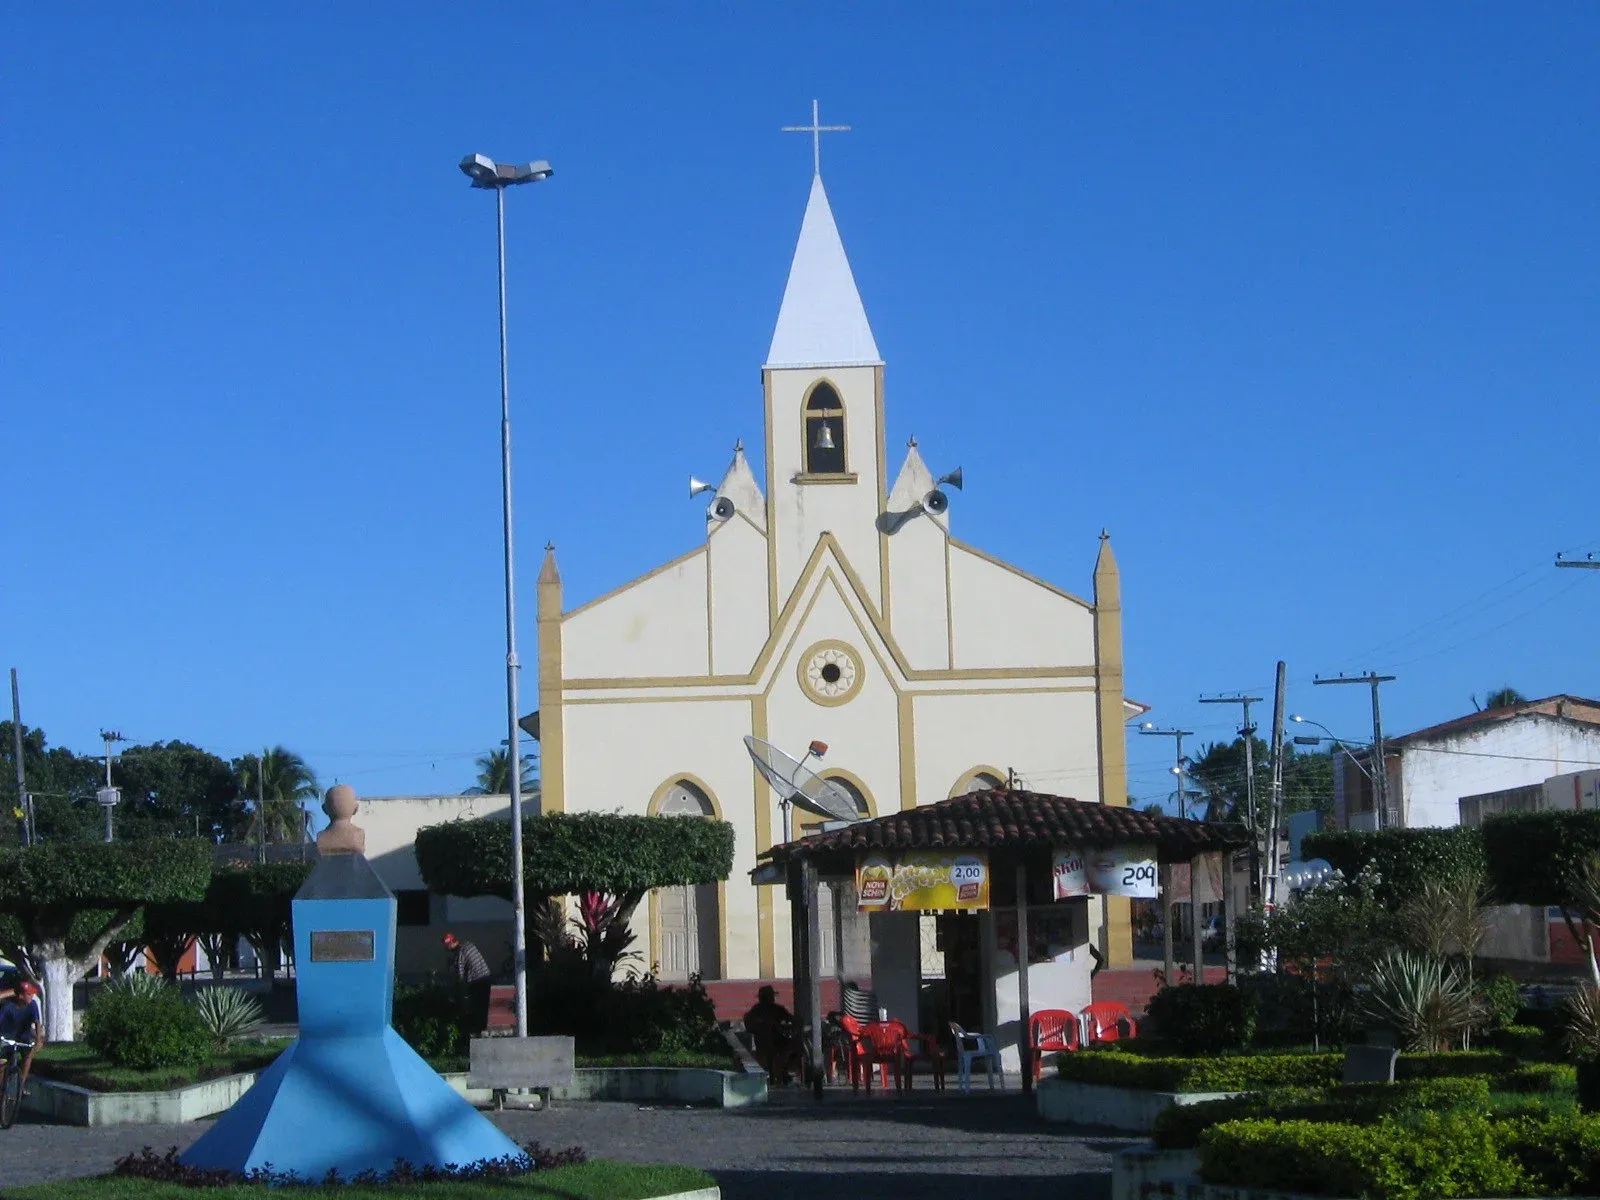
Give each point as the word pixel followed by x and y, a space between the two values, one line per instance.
pixel 816 129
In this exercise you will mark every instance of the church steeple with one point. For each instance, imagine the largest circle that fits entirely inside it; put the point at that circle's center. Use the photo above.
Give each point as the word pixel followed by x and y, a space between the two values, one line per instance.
pixel 821 322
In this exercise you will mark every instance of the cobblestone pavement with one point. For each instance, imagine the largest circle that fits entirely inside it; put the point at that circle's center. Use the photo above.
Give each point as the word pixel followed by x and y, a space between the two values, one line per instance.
pixel 882 1148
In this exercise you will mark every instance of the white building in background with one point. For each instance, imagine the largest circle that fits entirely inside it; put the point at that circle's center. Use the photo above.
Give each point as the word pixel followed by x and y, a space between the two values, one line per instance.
pixel 1461 770
pixel 838 605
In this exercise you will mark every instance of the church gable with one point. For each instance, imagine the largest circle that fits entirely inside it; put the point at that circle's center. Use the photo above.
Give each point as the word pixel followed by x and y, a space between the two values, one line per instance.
pixel 1002 618
pixel 658 625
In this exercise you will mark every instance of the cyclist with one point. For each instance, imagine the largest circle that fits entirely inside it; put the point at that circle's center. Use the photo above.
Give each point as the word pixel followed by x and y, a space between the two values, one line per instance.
pixel 22 1020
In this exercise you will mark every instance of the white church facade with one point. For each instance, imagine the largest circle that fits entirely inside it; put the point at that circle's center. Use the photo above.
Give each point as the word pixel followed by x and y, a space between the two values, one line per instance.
pixel 835 605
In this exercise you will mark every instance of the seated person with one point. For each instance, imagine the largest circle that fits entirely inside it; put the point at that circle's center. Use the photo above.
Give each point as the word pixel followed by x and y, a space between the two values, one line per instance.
pixel 777 1042
pixel 22 1020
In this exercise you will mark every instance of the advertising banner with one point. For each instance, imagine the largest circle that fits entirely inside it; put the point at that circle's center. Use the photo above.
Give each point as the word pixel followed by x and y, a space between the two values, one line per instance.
pixel 923 881
pixel 1113 871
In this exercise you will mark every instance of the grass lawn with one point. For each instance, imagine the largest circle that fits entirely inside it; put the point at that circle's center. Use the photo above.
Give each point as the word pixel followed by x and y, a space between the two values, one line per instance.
pixel 596 1180
pixel 76 1063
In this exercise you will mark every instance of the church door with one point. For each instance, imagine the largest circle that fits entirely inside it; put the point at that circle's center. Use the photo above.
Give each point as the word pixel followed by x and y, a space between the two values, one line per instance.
pixel 680 943
pixel 688 928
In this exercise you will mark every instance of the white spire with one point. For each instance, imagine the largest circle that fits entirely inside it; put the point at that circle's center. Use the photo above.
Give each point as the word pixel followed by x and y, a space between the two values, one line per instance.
pixel 821 322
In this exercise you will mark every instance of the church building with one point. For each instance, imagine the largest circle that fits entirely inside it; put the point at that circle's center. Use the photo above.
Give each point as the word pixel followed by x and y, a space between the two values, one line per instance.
pixel 835 605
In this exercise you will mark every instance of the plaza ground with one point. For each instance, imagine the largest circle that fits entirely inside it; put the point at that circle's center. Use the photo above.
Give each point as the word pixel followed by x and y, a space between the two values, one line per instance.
pixel 913 1148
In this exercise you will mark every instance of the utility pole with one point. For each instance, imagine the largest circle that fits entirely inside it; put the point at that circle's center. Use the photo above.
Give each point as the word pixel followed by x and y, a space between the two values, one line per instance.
pixel 24 800
pixel 1148 729
pixel 1269 880
pixel 1380 771
pixel 1248 733
pixel 108 795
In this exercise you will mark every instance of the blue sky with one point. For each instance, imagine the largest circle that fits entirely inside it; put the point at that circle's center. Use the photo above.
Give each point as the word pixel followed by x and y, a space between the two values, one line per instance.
pixel 1299 301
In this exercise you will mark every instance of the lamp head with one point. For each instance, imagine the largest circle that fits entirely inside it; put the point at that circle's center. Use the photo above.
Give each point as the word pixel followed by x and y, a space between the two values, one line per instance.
pixel 1297 717
pixel 486 173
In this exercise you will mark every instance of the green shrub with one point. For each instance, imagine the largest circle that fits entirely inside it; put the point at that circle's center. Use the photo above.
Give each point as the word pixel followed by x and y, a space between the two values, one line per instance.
pixel 430 1018
pixel 1428 1155
pixel 1224 1073
pixel 632 1016
pixel 1537 1078
pixel 146 1030
pixel 1521 1041
pixel 1401 859
pixel 1450 1064
pixel 1499 1002
pixel 1203 1018
pixel 1355 1103
pixel 1560 1155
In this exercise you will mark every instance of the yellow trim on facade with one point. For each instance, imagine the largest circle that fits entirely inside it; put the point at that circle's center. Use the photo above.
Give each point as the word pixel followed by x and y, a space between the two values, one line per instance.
pixel 772 502
pixel 1018 571
pixel 905 715
pixel 765 938
pixel 884 603
pixel 552 743
pixel 633 583
pixel 971 777
pixel 803 477
pixel 949 608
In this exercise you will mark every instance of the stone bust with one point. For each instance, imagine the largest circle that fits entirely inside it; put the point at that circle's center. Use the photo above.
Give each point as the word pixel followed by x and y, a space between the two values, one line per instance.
pixel 341 836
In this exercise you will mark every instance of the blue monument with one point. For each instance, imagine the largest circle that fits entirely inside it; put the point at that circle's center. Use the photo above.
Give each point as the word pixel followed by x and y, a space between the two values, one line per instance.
pixel 349 1094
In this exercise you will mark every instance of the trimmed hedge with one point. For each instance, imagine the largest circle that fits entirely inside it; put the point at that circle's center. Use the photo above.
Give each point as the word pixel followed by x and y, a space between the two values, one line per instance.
pixel 1424 1156
pixel 1413 1157
pixel 146 1031
pixel 1402 858
pixel 1531 854
pixel 1538 1078
pixel 1228 1073
pixel 569 853
pixel 1252 1072
pixel 1180 1127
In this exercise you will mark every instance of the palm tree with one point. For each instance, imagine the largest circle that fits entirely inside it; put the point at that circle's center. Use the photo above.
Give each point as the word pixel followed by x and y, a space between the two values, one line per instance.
pixel 1504 697
pixel 277 781
pixel 494 775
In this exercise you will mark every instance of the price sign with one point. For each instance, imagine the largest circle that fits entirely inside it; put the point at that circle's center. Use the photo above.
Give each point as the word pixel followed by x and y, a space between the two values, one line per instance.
pixel 1124 871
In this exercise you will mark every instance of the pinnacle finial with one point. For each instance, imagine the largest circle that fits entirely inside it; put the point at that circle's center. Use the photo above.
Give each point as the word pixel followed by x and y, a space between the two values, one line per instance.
pixel 738 446
pixel 549 547
pixel 1105 534
pixel 341 836
pixel 911 443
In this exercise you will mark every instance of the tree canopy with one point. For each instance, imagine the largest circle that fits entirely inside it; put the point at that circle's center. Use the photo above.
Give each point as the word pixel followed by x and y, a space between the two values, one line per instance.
pixel 494 775
pixel 1402 859
pixel 281 779
pixel 566 854
pixel 1220 770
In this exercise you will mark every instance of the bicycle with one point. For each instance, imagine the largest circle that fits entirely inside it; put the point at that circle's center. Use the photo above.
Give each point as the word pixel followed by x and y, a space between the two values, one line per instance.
pixel 11 1092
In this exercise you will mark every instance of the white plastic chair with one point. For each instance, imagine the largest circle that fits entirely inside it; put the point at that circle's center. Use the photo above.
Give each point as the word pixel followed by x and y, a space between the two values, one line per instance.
pixel 969 1048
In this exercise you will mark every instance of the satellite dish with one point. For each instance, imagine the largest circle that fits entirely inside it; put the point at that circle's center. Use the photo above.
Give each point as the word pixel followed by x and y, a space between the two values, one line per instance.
pixel 799 785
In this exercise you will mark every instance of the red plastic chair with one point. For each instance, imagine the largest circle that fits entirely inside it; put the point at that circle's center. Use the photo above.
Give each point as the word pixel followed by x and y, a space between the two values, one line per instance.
pixel 918 1047
pixel 1050 1031
pixel 1104 1021
pixel 882 1044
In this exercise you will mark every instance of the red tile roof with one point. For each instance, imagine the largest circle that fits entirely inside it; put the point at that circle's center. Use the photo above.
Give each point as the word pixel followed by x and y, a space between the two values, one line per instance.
pixel 1002 819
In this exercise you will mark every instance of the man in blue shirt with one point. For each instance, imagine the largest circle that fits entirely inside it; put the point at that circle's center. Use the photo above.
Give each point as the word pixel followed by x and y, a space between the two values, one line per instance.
pixel 21 1020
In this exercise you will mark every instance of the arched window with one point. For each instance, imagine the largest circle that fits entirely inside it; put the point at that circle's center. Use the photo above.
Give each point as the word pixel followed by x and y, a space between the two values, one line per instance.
pixel 977 780
pixel 684 799
pixel 863 810
pixel 824 432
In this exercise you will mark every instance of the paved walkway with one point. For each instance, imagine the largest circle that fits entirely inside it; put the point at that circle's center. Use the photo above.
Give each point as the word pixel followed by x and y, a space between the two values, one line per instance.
pixel 883 1148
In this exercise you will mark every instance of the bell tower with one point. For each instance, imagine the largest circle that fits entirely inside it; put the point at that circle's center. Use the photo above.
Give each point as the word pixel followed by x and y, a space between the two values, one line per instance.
pixel 823 383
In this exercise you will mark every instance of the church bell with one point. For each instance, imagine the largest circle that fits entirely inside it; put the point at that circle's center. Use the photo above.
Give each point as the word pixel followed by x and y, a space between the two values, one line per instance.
pixel 824 437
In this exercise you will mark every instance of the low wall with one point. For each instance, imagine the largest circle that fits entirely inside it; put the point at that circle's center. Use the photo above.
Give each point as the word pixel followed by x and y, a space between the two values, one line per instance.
pixel 1144 1172
pixel 1126 1109
pixel 674 1085
pixel 67 1104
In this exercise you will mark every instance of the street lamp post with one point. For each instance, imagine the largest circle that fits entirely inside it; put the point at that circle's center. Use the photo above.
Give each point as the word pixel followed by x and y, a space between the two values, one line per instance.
pixel 486 173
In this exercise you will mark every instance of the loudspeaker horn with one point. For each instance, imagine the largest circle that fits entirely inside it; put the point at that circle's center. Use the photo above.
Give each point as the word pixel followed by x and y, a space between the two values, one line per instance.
pixel 722 509
pixel 953 479
pixel 935 503
pixel 696 486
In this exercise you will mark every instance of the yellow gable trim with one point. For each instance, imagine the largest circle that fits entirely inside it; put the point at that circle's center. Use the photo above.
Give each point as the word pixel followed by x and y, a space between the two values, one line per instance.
pixel 633 583
pixel 1018 571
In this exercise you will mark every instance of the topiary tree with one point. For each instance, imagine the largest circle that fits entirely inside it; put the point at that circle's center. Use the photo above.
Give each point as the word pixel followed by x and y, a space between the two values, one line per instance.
pixel 61 904
pixel 573 853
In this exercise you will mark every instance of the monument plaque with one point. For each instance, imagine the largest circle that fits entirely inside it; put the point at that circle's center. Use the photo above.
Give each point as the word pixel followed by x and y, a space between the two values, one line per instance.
pixel 342 945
